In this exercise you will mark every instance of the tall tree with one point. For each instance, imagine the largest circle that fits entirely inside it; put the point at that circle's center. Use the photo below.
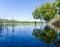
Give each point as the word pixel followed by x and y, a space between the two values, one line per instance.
pixel 46 11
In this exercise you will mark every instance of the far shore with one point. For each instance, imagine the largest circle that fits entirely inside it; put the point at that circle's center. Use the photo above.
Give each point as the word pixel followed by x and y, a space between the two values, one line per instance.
pixel 21 23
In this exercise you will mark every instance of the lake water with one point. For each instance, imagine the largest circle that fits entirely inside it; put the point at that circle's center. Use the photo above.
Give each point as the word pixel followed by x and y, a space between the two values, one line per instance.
pixel 29 36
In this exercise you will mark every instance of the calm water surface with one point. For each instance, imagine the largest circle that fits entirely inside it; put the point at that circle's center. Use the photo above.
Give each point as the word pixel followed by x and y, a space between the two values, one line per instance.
pixel 29 36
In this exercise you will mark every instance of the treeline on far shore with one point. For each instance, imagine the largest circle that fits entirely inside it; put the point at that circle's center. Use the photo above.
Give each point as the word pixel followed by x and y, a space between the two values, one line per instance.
pixel 14 22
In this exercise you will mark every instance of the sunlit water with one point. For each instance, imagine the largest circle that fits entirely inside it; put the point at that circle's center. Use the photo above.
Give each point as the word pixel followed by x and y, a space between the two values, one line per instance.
pixel 29 36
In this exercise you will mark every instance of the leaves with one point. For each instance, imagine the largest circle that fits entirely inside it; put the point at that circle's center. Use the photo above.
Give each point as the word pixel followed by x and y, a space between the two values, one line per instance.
pixel 46 11
pixel 36 13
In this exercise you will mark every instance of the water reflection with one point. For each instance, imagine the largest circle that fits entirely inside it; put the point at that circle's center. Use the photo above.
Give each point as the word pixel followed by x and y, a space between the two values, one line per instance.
pixel 7 36
pixel 47 35
pixel 1 28
pixel 29 36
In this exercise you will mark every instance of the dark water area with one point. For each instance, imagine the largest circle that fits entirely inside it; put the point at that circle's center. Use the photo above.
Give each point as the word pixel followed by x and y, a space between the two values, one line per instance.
pixel 29 36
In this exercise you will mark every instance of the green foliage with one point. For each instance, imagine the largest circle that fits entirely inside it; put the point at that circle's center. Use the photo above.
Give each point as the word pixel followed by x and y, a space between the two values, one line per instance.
pixel 58 17
pixel 47 16
pixel 46 11
pixel 57 3
pixel 57 0
pixel 36 13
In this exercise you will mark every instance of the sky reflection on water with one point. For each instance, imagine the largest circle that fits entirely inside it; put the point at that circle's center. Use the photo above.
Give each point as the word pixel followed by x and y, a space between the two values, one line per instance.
pixel 29 36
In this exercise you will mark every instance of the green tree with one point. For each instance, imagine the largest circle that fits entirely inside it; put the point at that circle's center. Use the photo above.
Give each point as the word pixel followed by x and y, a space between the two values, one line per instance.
pixel 36 14
pixel 46 11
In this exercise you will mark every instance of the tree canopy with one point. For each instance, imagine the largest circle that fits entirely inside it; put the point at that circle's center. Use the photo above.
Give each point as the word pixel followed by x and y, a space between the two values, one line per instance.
pixel 46 11
pixel 36 13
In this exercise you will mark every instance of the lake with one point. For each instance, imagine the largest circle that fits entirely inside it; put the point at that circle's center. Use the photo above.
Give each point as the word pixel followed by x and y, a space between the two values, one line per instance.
pixel 29 36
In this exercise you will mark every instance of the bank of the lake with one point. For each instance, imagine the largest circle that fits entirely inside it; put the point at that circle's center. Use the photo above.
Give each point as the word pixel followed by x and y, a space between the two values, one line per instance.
pixel 55 22
pixel 15 22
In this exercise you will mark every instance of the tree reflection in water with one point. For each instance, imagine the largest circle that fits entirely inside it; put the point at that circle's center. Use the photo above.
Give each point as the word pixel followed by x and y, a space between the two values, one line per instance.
pixel 1 32
pixel 47 34
pixel 1 28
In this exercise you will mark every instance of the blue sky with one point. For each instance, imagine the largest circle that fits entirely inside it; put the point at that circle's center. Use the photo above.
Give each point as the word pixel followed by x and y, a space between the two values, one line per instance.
pixel 19 9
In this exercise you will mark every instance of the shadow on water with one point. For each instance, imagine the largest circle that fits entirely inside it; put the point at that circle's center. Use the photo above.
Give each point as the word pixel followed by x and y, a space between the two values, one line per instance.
pixel 47 35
